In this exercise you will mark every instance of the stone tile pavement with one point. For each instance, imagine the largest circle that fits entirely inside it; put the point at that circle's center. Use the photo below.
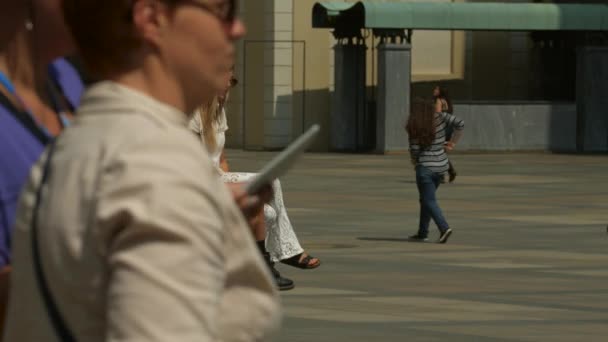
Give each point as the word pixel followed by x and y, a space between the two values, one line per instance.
pixel 528 260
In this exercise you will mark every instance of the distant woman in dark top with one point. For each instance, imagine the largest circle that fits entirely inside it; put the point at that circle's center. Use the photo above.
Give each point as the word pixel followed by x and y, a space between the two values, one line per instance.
pixel 426 129
pixel 443 104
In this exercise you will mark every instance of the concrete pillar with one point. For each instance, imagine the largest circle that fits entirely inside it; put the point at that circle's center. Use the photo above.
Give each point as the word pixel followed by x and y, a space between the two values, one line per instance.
pixel 348 105
pixel 592 99
pixel 393 100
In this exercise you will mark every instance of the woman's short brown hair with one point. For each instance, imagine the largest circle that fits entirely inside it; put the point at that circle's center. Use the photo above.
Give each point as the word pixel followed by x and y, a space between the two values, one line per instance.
pixel 103 32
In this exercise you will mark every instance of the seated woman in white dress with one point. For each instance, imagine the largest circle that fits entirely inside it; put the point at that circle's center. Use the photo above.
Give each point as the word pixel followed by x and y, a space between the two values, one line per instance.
pixel 209 122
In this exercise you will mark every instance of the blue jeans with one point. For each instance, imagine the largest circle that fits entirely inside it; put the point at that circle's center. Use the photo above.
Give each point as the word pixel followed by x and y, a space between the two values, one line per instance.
pixel 428 183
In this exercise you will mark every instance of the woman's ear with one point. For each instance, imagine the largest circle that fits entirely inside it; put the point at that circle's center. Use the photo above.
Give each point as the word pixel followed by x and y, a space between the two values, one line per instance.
pixel 150 18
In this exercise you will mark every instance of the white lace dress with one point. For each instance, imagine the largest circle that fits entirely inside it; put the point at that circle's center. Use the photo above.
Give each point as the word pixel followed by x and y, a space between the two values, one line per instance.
pixel 281 239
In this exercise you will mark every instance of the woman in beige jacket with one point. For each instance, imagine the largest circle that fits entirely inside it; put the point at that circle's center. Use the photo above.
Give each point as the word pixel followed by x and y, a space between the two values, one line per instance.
pixel 132 237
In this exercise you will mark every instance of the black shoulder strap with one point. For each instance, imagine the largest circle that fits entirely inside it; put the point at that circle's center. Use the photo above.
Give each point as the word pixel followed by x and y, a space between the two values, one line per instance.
pixel 57 320
pixel 25 119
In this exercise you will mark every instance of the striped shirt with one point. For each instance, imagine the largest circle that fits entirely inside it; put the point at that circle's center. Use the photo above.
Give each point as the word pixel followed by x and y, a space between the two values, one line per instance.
pixel 434 157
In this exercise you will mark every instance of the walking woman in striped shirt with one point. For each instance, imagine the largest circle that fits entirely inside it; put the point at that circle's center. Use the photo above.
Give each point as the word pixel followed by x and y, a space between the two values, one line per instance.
pixel 426 129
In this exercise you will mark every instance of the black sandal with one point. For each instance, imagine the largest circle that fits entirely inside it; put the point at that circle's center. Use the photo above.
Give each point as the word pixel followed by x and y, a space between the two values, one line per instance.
pixel 303 264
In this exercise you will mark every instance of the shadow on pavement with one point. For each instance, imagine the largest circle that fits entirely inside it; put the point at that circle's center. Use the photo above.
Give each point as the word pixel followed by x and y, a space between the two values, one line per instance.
pixel 366 238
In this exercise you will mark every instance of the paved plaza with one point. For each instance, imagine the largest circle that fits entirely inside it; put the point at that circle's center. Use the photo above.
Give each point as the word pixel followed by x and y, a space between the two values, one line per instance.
pixel 528 260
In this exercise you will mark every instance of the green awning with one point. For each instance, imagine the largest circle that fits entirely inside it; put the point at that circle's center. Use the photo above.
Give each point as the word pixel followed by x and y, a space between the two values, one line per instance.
pixel 462 16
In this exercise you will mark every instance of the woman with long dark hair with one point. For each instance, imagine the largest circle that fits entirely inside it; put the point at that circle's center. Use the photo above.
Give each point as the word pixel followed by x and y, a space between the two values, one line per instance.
pixel 442 100
pixel 444 104
pixel 426 129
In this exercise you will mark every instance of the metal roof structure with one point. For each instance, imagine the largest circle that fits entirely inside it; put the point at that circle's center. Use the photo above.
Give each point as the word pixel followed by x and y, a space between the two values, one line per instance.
pixel 462 16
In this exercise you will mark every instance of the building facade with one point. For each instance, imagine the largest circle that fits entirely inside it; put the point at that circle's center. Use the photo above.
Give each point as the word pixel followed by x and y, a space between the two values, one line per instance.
pixel 523 80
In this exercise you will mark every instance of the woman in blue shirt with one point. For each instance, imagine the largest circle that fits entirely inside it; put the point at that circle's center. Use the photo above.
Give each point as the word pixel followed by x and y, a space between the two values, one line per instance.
pixel 32 107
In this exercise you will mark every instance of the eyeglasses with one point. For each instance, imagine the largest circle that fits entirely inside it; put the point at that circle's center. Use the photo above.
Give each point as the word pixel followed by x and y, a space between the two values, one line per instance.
pixel 225 11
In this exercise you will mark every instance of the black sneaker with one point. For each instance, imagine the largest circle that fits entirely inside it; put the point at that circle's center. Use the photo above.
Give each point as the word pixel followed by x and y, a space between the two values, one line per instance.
pixel 283 284
pixel 418 237
pixel 445 235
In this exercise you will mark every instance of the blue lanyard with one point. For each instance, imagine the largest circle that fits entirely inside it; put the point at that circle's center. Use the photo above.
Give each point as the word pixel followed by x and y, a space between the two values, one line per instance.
pixel 7 83
pixel 11 89
pixel 65 121
pixel 53 92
